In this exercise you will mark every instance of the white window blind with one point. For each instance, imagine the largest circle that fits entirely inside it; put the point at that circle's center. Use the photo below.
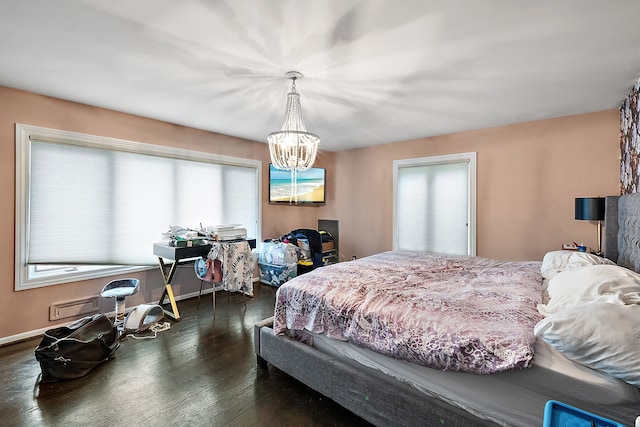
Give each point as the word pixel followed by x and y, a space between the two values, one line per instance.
pixel 105 202
pixel 433 205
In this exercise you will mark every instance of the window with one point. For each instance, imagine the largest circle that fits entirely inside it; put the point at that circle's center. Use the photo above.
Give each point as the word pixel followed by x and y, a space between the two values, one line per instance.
pixel 434 204
pixel 90 206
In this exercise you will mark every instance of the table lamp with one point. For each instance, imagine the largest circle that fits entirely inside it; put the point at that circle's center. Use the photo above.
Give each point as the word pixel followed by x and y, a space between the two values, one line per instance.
pixel 591 209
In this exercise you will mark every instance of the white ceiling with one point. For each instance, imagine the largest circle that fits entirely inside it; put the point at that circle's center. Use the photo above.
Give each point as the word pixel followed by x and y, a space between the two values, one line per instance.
pixel 376 71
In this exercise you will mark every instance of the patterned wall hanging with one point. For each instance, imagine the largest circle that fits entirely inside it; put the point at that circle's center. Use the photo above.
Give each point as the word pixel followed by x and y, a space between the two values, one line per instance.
pixel 630 142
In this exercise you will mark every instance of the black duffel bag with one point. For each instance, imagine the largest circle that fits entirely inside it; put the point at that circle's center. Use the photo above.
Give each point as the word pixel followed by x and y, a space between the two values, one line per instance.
pixel 72 351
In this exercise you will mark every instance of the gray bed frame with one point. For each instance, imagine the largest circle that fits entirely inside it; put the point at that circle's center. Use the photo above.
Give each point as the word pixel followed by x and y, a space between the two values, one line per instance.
pixel 379 399
pixel 384 401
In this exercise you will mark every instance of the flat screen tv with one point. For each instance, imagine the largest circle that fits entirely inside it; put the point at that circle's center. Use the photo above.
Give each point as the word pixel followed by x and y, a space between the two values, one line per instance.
pixel 310 186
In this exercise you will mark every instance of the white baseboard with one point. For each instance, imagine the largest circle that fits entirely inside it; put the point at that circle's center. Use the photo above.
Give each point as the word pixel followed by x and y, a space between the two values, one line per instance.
pixel 12 339
pixel 28 335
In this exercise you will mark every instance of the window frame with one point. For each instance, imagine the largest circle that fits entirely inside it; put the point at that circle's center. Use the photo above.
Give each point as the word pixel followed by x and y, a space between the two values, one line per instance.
pixel 468 157
pixel 25 133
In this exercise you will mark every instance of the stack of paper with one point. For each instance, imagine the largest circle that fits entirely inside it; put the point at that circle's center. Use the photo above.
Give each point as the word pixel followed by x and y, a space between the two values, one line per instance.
pixel 229 232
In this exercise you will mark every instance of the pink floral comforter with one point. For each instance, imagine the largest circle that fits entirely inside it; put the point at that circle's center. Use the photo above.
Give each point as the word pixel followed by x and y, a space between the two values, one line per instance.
pixel 466 314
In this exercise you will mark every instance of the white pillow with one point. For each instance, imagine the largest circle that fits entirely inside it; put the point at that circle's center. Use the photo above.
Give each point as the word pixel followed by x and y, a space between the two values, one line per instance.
pixel 600 335
pixel 603 283
pixel 555 262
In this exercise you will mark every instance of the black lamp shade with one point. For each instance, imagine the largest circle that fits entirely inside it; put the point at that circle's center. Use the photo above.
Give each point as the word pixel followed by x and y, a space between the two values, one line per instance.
pixel 590 208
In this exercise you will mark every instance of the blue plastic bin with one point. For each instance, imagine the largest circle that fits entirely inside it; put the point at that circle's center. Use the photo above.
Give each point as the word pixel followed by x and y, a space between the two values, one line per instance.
pixel 276 275
pixel 557 414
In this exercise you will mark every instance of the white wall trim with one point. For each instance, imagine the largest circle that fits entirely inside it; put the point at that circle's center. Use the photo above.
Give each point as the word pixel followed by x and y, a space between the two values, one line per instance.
pixel 12 339
pixel 470 158
pixel 24 134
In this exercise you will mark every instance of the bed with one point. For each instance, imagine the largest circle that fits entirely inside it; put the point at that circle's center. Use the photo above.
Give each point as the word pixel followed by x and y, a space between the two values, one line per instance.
pixel 455 374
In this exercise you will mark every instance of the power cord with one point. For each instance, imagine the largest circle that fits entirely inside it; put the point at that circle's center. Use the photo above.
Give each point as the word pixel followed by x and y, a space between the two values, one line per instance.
pixel 155 328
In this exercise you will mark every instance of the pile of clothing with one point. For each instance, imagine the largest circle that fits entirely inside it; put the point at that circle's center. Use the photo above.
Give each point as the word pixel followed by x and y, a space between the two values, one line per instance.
pixel 309 243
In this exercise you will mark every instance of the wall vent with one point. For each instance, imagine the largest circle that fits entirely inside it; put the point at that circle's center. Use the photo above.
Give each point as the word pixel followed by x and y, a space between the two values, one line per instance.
pixel 62 310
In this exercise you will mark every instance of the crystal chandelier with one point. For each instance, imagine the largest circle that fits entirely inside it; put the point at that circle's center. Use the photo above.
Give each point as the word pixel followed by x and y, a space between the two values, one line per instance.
pixel 292 147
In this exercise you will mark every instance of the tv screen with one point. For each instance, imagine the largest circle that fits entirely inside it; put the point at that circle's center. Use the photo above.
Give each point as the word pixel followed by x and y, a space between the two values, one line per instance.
pixel 309 184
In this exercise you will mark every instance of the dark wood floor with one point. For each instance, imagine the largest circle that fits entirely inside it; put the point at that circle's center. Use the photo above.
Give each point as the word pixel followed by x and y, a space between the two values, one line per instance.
pixel 201 372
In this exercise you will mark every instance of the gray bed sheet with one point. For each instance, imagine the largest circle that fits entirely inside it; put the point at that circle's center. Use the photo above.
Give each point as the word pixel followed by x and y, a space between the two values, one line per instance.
pixel 515 398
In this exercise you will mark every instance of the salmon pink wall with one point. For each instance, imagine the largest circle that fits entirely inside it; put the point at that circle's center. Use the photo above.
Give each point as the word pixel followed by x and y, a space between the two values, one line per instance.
pixel 278 220
pixel 28 310
pixel 528 175
pixel 527 178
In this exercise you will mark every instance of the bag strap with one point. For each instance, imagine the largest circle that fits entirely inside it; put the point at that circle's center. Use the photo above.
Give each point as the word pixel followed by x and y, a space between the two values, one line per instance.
pixel 110 348
pixel 98 324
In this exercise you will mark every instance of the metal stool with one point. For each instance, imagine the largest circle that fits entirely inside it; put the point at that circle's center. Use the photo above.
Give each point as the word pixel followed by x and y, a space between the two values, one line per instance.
pixel 119 289
pixel 205 272
pixel 210 271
